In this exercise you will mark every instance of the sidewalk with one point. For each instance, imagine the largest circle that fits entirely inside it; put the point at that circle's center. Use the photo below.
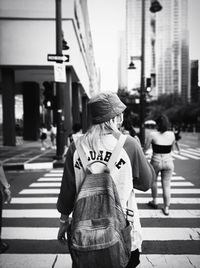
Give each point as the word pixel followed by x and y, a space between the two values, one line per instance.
pixel 28 155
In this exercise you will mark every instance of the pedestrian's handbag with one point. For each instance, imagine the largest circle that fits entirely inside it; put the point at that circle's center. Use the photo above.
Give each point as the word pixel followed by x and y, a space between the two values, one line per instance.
pixel 99 234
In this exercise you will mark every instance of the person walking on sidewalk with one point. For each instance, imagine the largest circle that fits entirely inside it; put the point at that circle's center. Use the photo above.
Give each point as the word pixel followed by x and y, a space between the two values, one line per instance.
pixel 162 142
pixel 53 132
pixel 5 196
pixel 132 170
pixel 43 137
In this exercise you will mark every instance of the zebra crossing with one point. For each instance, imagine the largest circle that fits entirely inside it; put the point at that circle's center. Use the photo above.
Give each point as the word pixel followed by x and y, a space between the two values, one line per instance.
pixel 31 225
pixel 186 153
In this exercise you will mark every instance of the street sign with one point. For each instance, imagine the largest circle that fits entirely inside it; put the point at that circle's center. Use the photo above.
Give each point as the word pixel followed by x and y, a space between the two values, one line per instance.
pixel 60 73
pixel 58 58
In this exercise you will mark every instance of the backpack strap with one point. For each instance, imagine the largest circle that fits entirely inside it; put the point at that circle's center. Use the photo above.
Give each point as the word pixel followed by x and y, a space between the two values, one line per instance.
pixel 111 162
pixel 116 151
pixel 82 155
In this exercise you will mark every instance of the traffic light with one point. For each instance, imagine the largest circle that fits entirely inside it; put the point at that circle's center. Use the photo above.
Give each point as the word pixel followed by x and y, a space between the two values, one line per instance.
pixel 49 98
pixel 148 82
pixel 64 43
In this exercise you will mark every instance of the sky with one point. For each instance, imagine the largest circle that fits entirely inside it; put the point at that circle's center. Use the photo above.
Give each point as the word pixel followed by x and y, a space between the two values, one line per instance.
pixel 107 19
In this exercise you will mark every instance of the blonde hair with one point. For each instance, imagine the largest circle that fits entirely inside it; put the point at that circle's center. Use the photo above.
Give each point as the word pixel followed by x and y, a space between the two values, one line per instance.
pixel 96 132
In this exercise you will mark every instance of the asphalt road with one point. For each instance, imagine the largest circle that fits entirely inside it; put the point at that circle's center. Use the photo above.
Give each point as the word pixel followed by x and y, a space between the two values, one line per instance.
pixel 30 222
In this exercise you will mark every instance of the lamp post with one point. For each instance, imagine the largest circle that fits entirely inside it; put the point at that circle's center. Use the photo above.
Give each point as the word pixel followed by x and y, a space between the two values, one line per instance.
pixel 59 106
pixel 155 7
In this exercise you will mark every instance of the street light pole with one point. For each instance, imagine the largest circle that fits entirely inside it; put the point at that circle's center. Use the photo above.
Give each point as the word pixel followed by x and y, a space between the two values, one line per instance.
pixel 142 82
pixel 59 104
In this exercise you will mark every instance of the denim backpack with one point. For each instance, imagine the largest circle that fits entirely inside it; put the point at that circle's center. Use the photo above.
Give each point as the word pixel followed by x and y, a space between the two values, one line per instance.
pixel 99 234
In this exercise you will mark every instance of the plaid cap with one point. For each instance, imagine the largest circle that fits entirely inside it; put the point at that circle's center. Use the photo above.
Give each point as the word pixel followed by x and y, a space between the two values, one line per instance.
pixel 104 107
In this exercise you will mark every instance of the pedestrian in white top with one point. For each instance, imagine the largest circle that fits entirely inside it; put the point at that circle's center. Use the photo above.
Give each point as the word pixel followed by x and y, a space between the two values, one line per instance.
pixel 162 142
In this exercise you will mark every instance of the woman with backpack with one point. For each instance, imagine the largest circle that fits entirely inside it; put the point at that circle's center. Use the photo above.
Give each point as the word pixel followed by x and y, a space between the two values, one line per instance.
pixel 130 170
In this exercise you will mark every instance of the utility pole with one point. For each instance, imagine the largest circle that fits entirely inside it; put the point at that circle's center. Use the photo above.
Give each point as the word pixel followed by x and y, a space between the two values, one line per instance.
pixel 142 82
pixel 59 86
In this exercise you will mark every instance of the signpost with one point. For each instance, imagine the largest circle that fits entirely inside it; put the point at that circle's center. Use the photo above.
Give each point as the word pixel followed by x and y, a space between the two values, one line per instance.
pixel 58 58
pixel 60 73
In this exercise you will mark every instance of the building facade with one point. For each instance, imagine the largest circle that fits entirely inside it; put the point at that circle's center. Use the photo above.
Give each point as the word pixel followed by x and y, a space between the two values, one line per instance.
pixel 27 36
pixel 195 89
pixel 166 46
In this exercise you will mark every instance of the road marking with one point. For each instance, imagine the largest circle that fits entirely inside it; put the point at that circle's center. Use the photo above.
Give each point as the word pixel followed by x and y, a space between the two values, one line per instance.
pixel 189 155
pixel 140 200
pixel 34 200
pixel 178 156
pixel 153 233
pixel 174 191
pixel 52 175
pixel 49 179
pixel 57 184
pixel 174 178
pixel 40 191
pixel 178 200
pixel 31 213
pixel 45 184
pixel 30 233
pixel 193 151
pixel 174 213
pixel 53 213
pixel 56 171
pixel 46 165
pixel 166 234
pixel 178 183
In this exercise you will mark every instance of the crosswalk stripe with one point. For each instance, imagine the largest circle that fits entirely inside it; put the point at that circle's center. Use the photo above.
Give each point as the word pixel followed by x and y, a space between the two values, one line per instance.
pixel 34 200
pixel 45 233
pixel 176 191
pixel 179 183
pixel 46 184
pixel 178 200
pixel 190 155
pixel 140 200
pixel 192 151
pixel 178 156
pixel 57 191
pixel 40 191
pixel 57 184
pixel 52 175
pixel 36 233
pixel 49 179
pixel 57 170
pixel 174 213
pixel 155 233
pixel 53 213
pixel 34 166
pixel 175 178
pixel 31 213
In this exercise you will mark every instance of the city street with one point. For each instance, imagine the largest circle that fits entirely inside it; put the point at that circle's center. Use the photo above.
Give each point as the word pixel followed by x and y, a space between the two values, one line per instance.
pixel 30 222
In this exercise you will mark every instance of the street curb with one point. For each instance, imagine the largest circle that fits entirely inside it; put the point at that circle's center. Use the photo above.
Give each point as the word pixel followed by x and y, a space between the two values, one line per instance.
pixel 34 166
